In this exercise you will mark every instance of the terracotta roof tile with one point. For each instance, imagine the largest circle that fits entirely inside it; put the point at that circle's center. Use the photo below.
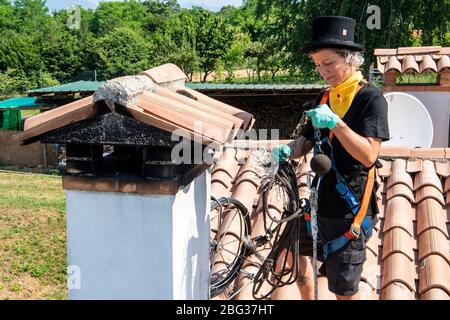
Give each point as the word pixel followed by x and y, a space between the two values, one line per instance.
pixel 225 170
pixel 414 166
pixel 396 152
pixel 220 106
pixel 200 106
pixel 229 169
pixel 400 190
pixel 429 192
pixel 417 59
pixel 385 171
pixel 430 214
pixel 374 242
pixel 433 241
pixel 377 225
pixel 397 291
pixel 443 63
pixel 246 186
pixel 428 63
pixel 398 268
pixel 435 294
pixel 447 184
pixel 228 163
pixel 366 292
pixel 165 73
pixel 433 153
pixel 383 52
pixel 399 174
pixel 184 116
pixel 434 272
pixel 57 118
pixel 381 202
pixel 139 114
pixel 399 213
pixel 393 64
pixel 447 154
pixel 427 177
pixel 442 168
pixel 409 64
pixel 417 50
pixel 241 156
pixel 371 270
pixel 397 240
pixel 220 184
pixel 247 175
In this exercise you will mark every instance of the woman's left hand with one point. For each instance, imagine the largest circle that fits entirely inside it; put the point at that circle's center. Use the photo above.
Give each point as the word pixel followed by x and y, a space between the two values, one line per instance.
pixel 322 117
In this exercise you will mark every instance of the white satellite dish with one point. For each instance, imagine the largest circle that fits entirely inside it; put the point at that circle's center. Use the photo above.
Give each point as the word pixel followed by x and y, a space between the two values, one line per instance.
pixel 410 123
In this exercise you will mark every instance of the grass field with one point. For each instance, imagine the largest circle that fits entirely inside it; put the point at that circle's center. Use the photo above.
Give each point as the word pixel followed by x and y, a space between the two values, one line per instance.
pixel 32 237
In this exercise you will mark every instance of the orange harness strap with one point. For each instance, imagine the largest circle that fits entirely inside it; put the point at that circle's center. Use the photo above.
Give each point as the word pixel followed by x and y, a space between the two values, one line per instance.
pixel 355 229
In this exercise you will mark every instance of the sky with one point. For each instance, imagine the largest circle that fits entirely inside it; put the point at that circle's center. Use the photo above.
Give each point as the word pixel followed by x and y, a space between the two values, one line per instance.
pixel 213 5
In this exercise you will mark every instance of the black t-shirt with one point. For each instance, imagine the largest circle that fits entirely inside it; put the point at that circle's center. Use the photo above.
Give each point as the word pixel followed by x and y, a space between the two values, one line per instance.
pixel 368 117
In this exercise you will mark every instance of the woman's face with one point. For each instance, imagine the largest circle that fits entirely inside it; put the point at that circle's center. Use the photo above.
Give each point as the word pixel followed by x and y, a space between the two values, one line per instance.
pixel 332 67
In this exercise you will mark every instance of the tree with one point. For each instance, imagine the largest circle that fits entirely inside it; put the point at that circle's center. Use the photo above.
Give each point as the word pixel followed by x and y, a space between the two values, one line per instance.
pixel 159 12
pixel 67 52
pixel 111 15
pixel 176 43
pixel 8 18
pixel 17 51
pixel 62 53
pixel 213 38
pixel 234 55
pixel 121 52
pixel 273 56
pixel 254 54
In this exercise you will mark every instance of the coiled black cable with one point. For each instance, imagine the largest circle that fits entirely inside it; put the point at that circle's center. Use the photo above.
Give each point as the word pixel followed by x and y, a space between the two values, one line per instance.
pixel 217 286
pixel 286 234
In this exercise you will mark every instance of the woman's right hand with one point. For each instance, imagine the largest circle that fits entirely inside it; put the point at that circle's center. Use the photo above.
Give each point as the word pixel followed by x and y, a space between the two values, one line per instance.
pixel 281 153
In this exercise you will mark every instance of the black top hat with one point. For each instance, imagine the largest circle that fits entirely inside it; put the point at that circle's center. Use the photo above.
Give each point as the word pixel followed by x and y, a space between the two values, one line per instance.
pixel 333 32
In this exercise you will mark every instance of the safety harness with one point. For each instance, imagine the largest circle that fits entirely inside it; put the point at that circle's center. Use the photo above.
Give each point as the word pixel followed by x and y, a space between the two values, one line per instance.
pixel 358 208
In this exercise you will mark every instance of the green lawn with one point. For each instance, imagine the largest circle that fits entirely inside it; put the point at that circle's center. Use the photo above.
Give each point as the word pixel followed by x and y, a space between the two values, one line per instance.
pixel 32 237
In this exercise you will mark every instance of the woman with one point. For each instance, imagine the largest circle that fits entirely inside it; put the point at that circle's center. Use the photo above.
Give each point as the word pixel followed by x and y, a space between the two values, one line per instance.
pixel 353 114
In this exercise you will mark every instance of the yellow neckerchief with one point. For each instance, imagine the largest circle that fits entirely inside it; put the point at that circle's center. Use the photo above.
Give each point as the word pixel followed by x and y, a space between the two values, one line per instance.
pixel 341 96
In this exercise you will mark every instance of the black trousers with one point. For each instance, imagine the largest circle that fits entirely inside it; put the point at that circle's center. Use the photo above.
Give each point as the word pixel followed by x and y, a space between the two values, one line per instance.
pixel 342 268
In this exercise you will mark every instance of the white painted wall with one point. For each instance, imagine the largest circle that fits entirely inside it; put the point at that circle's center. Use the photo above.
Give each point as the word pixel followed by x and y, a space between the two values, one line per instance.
pixel 438 106
pixel 190 245
pixel 128 246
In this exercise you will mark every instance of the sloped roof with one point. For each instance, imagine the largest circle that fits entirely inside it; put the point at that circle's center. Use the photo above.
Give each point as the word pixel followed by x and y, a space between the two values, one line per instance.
pixel 91 86
pixel 413 59
pixel 254 87
pixel 19 102
pixel 78 86
pixel 158 98
pixel 408 255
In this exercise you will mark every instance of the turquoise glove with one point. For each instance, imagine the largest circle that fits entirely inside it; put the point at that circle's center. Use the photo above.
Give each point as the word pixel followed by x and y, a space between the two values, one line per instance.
pixel 322 117
pixel 280 153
